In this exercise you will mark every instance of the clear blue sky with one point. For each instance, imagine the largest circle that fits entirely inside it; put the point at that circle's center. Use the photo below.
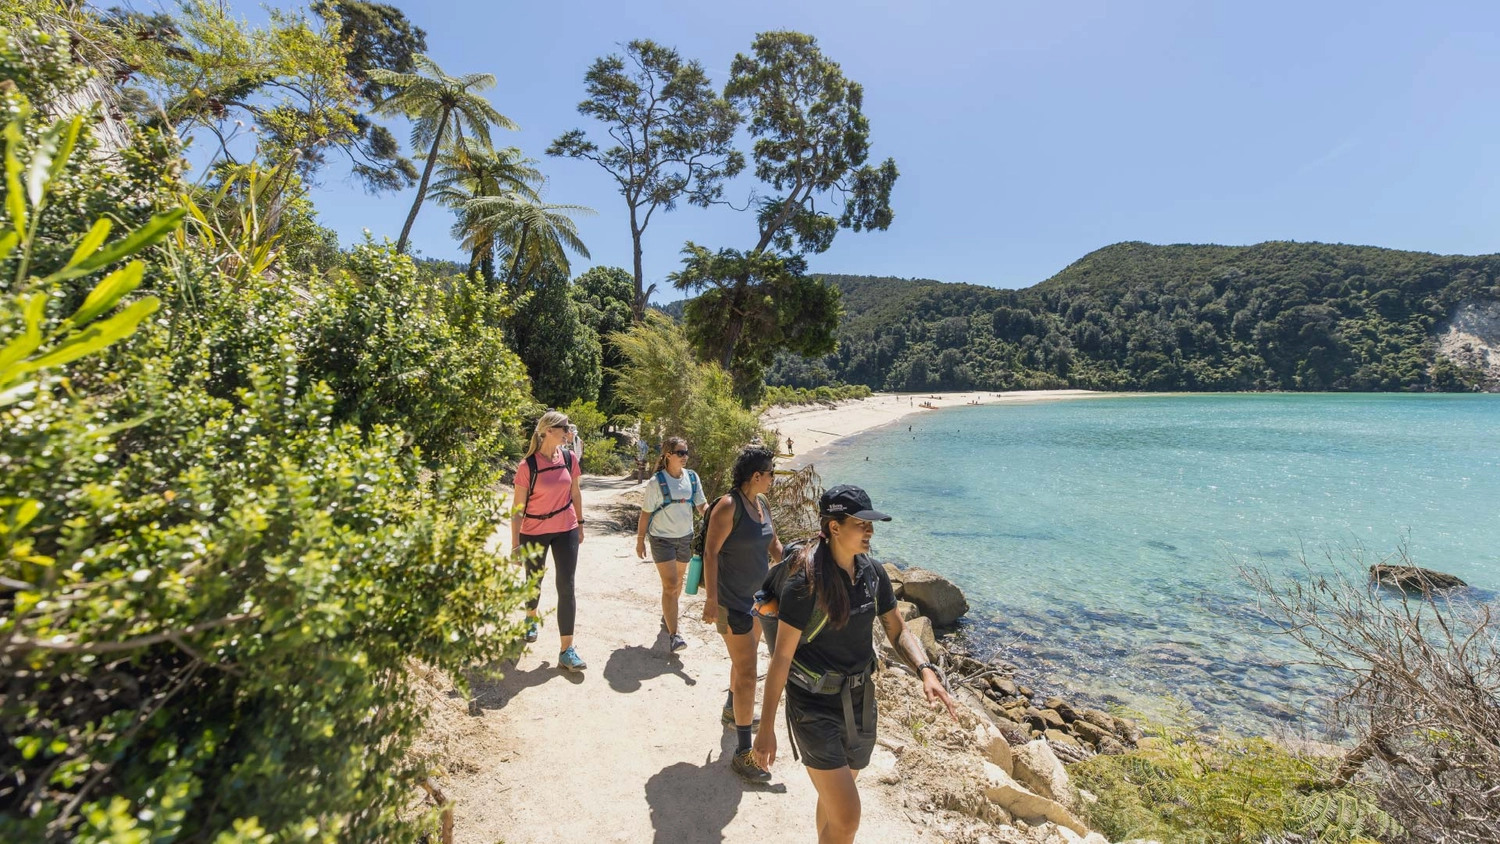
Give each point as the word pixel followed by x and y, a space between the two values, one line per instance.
pixel 1028 134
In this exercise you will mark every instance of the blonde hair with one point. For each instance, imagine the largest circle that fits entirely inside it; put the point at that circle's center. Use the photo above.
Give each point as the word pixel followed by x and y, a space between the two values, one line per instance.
pixel 550 419
pixel 668 445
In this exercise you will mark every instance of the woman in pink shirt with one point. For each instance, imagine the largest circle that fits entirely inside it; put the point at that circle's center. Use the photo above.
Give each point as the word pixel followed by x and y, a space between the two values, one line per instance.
pixel 551 517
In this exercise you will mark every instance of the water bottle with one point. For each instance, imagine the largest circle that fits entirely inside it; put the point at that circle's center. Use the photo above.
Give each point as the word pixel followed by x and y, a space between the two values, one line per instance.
pixel 694 575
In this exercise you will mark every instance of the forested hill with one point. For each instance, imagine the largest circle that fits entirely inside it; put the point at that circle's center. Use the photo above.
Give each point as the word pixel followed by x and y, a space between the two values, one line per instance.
pixel 1132 316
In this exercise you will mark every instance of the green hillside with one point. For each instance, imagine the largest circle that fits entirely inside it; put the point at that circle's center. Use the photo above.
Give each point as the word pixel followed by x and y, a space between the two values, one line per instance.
pixel 1132 316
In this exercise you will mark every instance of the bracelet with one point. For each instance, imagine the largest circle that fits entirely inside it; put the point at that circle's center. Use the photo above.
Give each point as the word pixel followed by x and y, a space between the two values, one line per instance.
pixel 935 669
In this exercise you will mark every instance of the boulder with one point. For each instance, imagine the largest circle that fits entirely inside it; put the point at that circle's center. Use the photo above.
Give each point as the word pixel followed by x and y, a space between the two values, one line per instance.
pixel 935 596
pixel 1060 737
pixel 1010 795
pixel 1091 733
pixel 897 578
pixel 1061 707
pixel 908 610
pixel 1037 767
pixel 1122 729
pixel 1111 746
pixel 1044 719
pixel 1414 579
pixel 922 627
pixel 994 747
pixel 1025 691
pixel 1004 686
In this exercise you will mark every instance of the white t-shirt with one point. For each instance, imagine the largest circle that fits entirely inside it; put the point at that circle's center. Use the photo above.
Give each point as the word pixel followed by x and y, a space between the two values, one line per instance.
pixel 677 519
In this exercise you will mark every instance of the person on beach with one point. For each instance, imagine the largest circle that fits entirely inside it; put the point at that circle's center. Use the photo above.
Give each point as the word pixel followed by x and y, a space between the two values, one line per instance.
pixel 825 658
pixel 551 508
pixel 667 520
pixel 737 549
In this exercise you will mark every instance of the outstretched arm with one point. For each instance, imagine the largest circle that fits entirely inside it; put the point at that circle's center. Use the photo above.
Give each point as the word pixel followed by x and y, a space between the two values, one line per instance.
pixel 787 639
pixel 909 647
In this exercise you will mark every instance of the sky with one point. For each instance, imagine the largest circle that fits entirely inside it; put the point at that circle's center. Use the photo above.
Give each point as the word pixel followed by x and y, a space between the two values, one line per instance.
pixel 1030 133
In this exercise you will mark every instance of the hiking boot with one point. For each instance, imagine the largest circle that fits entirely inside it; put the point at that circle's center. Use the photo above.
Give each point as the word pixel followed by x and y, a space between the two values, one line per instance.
pixel 569 660
pixel 531 629
pixel 743 764
pixel 678 643
pixel 727 719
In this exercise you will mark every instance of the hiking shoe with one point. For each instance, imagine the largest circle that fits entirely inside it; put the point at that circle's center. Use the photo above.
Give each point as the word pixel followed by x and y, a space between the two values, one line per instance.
pixel 727 719
pixel 569 660
pixel 743 764
pixel 678 643
pixel 531 632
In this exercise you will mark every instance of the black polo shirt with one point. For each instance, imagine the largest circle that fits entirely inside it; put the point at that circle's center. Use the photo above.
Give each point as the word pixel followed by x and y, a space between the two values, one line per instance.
pixel 850 649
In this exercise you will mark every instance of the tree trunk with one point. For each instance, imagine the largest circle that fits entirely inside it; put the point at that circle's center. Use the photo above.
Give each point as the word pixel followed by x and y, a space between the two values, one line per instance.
pixel 639 306
pixel 416 204
pixel 515 259
pixel 732 333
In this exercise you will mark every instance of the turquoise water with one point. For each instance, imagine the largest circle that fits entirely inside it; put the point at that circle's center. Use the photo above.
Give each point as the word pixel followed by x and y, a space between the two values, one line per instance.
pixel 1097 540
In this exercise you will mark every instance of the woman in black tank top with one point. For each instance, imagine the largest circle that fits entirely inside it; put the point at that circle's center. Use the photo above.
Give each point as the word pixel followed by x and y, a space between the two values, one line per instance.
pixel 737 548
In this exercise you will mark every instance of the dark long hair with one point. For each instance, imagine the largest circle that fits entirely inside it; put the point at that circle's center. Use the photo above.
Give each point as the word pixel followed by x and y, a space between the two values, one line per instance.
pixel 823 576
pixel 752 459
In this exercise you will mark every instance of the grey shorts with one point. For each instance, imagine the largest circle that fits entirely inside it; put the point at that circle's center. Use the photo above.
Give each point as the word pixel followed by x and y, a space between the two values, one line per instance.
pixel 666 549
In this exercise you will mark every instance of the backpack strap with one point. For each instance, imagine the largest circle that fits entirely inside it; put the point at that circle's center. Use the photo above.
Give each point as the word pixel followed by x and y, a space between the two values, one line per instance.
pixel 531 464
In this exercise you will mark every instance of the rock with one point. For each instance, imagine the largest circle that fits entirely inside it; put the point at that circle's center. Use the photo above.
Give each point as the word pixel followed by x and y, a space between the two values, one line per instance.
pixel 1089 732
pixel 1044 719
pixel 1004 686
pixel 994 747
pixel 1061 737
pixel 1414 579
pixel 1026 805
pixel 938 598
pixel 922 627
pixel 1025 691
pixel 1038 768
pixel 1095 838
pixel 1061 707
pixel 1110 746
pixel 883 767
pixel 1122 729
pixel 908 610
pixel 898 579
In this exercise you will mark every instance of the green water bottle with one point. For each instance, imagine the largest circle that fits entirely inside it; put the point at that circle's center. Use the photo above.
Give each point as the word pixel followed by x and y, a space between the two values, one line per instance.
pixel 694 575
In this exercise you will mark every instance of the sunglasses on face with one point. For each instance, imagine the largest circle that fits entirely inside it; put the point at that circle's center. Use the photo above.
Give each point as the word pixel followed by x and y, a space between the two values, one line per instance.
pixel 562 427
pixel 681 453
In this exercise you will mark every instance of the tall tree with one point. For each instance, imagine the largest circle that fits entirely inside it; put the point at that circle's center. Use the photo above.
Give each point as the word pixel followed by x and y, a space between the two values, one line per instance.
pixel 673 136
pixel 560 351
pixel 605 296
pixel 467 174
pixel 530 235
pixel 440 107
pixel 752 305
pixel 811 143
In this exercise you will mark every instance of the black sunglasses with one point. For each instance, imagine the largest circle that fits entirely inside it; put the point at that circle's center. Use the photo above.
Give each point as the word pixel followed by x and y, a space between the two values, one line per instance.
pixel 681 453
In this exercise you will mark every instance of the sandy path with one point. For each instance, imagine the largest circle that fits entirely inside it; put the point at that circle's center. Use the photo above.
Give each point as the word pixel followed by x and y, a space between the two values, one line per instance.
pixel 632 750
pixel 813 427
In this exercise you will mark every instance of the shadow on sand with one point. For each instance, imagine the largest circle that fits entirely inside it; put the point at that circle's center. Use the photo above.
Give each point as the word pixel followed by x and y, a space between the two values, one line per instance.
pixel 497 684
pixel 630 666
pixel 691 804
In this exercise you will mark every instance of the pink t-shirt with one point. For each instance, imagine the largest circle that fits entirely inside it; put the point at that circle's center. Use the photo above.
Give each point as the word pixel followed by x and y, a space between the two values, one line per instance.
pixel 554 491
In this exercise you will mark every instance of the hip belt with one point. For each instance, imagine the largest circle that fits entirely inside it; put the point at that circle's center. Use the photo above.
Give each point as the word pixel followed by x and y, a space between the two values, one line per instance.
pixel 834 683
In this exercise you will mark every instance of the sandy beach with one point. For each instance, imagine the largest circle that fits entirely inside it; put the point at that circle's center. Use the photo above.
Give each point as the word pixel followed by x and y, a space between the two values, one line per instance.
pixel 816 426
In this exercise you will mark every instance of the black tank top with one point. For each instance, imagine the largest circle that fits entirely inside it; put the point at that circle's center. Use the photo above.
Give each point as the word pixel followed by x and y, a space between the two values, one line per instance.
pixel 744 558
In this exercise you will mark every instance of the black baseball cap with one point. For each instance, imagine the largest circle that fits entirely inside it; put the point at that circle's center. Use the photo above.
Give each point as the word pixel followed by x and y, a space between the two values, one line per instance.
pixel 846 500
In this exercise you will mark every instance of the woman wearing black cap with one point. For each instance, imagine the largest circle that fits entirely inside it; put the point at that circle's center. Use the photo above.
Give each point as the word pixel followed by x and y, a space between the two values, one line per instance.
pixel 825 658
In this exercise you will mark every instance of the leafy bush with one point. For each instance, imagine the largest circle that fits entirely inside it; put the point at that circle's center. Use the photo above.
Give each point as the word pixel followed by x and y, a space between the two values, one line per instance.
pixel 789 396
pixel 1188 789
pixel 601 452
pixel 217 559
pixel 675 394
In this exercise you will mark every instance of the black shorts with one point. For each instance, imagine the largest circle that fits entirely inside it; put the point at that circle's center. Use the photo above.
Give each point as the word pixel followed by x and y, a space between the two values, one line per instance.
pixel 733 621
pixel 818 727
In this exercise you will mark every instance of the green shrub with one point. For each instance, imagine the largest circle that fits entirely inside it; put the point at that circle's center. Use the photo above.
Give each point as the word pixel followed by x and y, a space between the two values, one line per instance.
pixel 675 394
pixel 601 453
pixel 790 396
pixel 1189 789
pixel 218 559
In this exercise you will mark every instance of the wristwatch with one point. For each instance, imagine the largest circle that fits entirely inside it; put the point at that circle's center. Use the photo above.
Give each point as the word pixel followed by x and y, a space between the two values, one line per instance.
pixel 935 669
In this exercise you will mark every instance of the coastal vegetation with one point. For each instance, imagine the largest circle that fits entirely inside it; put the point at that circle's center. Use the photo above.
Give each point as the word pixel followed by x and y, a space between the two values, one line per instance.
pixel 1275 316
pixel 788 396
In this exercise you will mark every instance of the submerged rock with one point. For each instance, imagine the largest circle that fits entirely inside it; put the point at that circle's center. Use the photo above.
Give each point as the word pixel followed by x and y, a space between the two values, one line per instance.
pixel 1413 578
pixel 935 595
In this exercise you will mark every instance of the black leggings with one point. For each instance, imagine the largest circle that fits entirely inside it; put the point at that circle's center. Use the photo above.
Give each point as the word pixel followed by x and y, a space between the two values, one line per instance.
pixel 564 547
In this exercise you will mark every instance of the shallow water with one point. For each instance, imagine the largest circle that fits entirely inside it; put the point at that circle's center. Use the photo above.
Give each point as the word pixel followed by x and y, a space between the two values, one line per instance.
pixel 1097 540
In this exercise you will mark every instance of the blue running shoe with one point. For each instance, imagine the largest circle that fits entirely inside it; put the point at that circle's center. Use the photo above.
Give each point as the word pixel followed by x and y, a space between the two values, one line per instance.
pixel 531 632
pixel 569 660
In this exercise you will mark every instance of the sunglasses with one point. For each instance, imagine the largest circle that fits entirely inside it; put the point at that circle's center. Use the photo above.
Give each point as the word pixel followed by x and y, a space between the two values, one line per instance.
pixel 681 453
pixel 562 427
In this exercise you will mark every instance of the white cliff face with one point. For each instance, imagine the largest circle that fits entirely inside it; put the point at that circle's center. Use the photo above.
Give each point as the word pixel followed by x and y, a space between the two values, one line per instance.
pixel 1471 338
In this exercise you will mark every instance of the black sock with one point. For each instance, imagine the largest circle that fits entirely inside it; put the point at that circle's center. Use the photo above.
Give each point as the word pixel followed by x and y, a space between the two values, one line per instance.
pixel 743 733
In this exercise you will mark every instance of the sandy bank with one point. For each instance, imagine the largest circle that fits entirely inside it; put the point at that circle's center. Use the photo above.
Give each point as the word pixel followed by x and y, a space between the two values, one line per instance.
pixel 812 427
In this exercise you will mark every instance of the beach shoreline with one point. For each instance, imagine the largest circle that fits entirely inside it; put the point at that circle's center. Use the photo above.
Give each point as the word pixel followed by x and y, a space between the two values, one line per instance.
pixel 814 427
